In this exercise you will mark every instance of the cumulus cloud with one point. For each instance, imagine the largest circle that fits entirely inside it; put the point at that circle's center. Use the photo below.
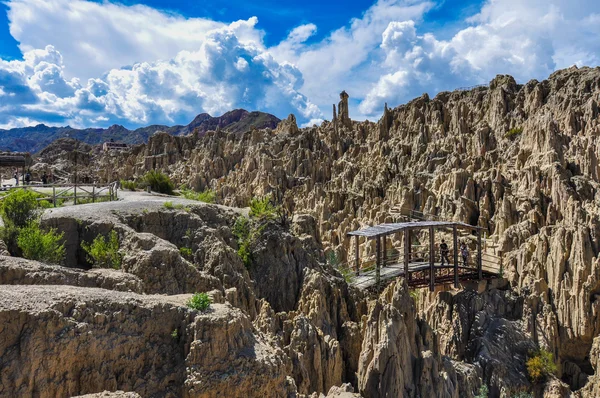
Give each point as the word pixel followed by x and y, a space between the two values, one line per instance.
pixel 525 39
pixel 135 65
pixel 223 74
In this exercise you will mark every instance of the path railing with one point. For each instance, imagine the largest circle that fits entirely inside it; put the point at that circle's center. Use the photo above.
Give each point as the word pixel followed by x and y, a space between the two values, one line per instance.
pixel 78 194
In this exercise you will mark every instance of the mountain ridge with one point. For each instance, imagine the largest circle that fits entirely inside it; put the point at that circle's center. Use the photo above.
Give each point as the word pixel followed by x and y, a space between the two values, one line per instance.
pixel 35 138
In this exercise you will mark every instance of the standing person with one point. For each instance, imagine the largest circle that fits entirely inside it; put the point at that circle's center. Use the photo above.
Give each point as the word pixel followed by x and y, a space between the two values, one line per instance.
pixel 464 251
pixel 16 177
pixel 45 178
pixel 444 252
pixel 27 178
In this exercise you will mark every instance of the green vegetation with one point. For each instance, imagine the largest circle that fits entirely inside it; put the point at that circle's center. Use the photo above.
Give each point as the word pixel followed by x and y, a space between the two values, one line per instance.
pixel 206 196
pixel 186 252
pixel 130 185
pixel 103 253
pixel 19 208
pixel 513 133
pixel 263 209
pixel 243 232
pixel 175 335
pixel 483 391
pixel 415 296
pixel 168 205
pixel 98 199
pixel 521 394
pixel 540 365
pixel 36 244
pixel 20 212
pixel 159 182
pixel 199 301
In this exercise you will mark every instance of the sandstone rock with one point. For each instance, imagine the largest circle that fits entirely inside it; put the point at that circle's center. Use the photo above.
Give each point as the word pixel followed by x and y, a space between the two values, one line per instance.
pixel 96 340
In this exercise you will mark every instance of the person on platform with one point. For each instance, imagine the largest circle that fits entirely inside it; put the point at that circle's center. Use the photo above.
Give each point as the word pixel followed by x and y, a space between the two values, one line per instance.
pixel 44 178
pixel 444 252
pixel 464 252
pixel 16 177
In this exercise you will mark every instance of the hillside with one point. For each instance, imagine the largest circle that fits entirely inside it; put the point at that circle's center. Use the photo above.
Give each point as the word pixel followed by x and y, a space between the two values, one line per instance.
pixel 34 139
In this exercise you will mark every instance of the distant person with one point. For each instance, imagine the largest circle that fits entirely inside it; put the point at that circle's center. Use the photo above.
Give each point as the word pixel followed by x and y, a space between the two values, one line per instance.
pixel 27 178
pixel 464 252
pixel 45 179
pixel 16 177
pixel 444 252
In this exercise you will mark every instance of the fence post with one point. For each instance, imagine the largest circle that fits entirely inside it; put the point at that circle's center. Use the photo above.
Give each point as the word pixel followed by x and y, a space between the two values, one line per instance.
pixel 378 259
pixel 356 252
pixel 479 270
pixel 54 195
pixel 455 241
pixel 431 259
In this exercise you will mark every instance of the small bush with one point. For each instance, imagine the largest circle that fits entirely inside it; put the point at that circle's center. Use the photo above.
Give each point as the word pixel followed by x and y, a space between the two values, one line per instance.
pixel 242 232
pixel 36 244
pixel 169 205
pixel 206 196
pixel 199 301
pixel 103 253
pixel 159 182
pixel 20 207
pixel 130 185
pixel 186 252
pixel 483 392
pixel 263 209
pixel 521 394
pixel 513 133
pixel 540 365
pixel 175 335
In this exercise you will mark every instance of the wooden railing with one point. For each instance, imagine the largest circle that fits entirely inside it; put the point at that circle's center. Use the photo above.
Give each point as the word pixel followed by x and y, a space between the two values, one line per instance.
pixel 78 194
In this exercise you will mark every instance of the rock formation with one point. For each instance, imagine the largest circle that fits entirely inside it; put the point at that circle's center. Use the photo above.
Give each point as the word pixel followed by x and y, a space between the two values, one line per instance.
pixel 520 160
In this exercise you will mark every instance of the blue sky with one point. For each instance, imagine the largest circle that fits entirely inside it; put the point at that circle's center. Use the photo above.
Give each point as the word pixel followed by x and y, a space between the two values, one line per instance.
pixel 136 63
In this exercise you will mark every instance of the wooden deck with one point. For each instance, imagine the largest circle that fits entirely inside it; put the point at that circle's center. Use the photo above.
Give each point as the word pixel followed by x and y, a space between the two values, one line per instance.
pixel 444 274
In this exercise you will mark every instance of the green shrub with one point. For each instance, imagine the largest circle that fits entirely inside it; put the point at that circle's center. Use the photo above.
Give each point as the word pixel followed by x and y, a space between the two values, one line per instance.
pixel 159 182
pixel 186 252
pixel 513 133
pixel 483 392
pixel 521 394
pixel 199 301
pixel 540 365
pixel 36 244
pixel 263 209
pixel 242 232
pixel 103 253
pixel 169 205
pixel 130 185
pixel 206 196
pixel 175 335
pixel 19 208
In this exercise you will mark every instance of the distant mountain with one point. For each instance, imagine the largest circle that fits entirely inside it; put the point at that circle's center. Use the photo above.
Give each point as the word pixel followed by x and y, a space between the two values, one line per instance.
pixel 34 139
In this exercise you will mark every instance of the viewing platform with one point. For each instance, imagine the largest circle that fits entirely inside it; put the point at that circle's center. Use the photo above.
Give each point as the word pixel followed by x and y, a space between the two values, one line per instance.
pixel 422 264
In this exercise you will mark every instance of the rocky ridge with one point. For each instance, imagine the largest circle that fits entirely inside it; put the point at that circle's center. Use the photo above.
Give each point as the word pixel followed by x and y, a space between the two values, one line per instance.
pixel 521 160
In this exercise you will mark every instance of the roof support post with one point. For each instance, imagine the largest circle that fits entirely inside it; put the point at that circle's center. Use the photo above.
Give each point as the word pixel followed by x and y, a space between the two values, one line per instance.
pixel 479 270
pixel 384 253
pixel 406 253
pixel 431 259
pixel 455 241
pixel 378 259
pixel 356 254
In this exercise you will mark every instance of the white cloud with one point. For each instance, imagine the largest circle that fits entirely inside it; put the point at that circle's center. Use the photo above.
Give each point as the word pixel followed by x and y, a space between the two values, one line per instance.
pixel 110 63
pixel 94 37
pixel 525 39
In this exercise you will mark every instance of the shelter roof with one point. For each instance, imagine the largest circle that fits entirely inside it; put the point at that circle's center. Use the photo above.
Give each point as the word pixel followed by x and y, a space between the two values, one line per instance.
pixel 391 228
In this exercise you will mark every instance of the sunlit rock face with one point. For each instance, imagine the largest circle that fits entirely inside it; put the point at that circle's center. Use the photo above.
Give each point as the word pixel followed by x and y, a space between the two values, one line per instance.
pixel 521 161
